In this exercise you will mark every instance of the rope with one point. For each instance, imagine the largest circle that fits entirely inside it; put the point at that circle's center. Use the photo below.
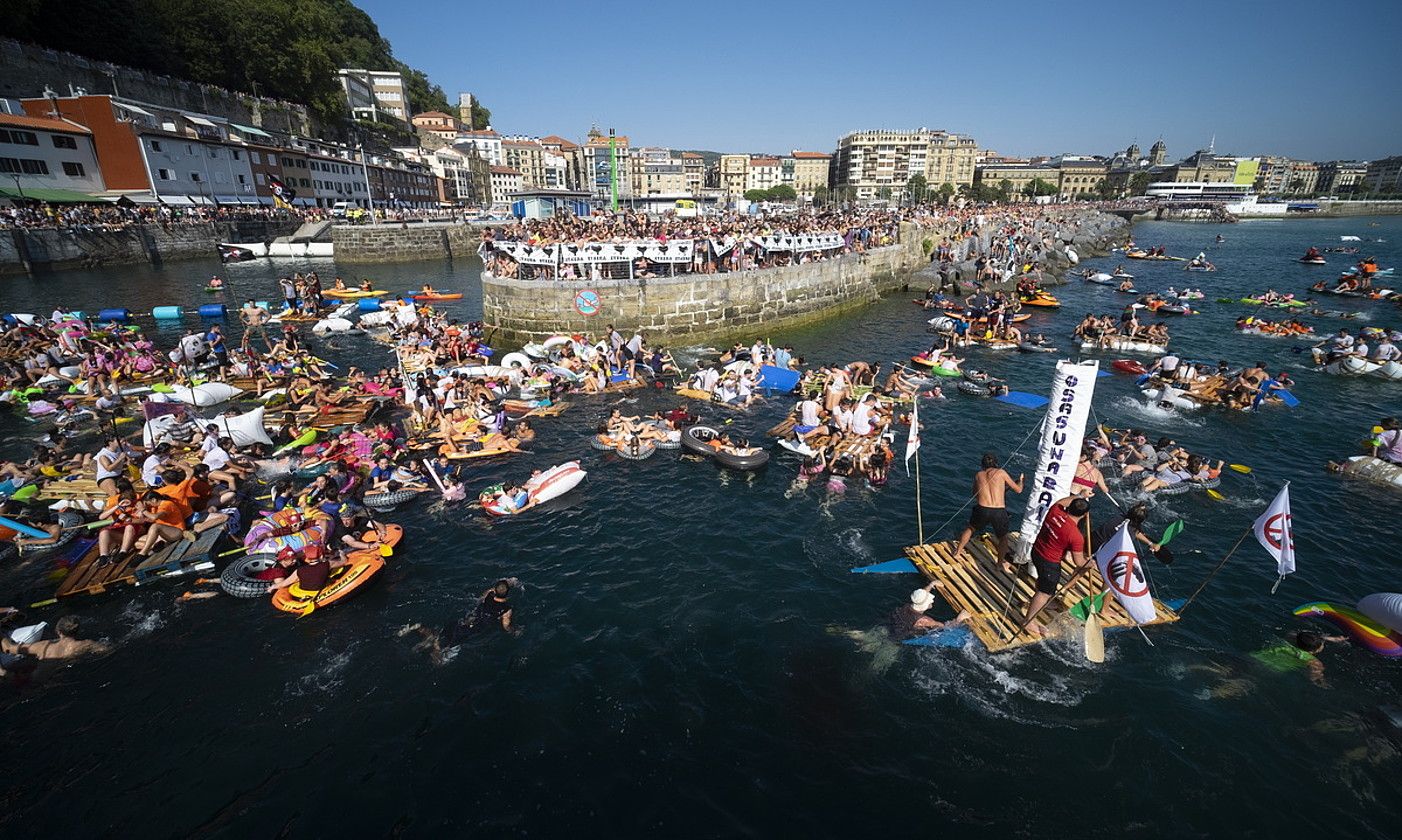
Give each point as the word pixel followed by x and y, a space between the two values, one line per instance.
pixel 970 500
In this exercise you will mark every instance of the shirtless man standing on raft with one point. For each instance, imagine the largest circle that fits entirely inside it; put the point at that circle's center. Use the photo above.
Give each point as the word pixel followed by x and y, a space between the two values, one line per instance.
pixel 990 510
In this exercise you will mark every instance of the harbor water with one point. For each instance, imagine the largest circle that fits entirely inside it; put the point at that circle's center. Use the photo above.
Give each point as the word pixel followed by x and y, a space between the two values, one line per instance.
pixel 695 657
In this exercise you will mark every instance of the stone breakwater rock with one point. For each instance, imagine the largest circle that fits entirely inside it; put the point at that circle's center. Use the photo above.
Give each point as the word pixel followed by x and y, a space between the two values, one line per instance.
pixel 1090 234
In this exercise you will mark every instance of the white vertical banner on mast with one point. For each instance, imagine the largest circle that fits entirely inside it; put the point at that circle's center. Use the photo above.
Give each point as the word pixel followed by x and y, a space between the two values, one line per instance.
pixel 1058 451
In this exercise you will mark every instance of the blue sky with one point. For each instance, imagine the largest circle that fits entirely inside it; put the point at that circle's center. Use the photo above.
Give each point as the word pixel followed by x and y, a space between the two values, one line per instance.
pixel 1309 80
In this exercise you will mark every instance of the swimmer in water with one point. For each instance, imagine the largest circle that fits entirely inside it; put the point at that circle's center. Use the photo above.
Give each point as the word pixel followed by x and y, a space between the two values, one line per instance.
pixel 493 609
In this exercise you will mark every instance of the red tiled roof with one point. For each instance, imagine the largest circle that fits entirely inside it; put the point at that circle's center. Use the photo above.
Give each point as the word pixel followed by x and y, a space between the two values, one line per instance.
pixel 811 155
pixel 692 156
pixel 433 114
pixel 556 140
pixel 505 170
pixel 764 161
pixel 42 123
pixel 482 132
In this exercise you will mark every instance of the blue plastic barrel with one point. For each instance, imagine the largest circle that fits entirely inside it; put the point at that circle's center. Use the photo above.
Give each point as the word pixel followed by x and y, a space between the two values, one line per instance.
pixel 114 315
pixel 213 310
pixel 368 305
pixel 164 312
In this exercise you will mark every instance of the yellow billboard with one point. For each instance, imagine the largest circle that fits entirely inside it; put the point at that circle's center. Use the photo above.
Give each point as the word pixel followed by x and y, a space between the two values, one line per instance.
pixel 1246 171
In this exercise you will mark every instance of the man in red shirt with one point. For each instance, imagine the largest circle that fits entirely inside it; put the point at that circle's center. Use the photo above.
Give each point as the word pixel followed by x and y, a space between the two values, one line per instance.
pixel 1061 534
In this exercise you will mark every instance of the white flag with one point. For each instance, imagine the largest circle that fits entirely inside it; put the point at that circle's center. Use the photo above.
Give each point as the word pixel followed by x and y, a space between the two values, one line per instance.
pixel 912 441
pixel 1276 533
pixel 1119 565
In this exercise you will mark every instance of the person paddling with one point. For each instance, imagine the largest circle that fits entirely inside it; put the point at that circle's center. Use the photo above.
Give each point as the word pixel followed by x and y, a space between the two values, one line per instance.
pixel 1059 538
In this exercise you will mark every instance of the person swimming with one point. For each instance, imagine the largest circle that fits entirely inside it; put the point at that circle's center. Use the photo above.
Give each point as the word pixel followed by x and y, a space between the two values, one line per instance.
pixel 493 609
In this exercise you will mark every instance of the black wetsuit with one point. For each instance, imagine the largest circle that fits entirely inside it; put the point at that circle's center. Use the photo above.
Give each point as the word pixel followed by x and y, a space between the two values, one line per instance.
pixel 486 615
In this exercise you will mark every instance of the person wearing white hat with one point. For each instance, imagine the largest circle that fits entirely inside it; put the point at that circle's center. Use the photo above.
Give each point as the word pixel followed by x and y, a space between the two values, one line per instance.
pixel 909 620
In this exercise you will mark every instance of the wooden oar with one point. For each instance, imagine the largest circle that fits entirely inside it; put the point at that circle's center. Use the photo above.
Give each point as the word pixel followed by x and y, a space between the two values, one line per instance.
pixel 1094 638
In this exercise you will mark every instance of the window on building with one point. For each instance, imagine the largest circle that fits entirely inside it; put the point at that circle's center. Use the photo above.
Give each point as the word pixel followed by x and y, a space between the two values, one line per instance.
pixel 19 138
pixel 189 148
pixel 33 167
pixel 243 179
pixel 63 141
pixel 9 165
pixel 259 179
pixel 195 176
pixel 236 153
pixel 165 175
pixel 256 158
pixel 73 170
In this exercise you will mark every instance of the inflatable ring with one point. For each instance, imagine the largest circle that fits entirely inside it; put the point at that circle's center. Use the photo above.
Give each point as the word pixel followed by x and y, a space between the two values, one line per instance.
pixel 388 501
pixel 599 444
pixel 1187 484
pixel 755 459
pixel 641 452
pixel 237 578
pixel 974 389
pixel 694 439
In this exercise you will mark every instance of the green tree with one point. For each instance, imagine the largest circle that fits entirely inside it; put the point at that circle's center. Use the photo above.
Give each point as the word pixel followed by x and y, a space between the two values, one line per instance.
pixel 1139 183
pixel 756 195
pixel 481 115
pixel 820 194
pixel 1103 190
pixel 284 49
pixel 1004 193
pixel 782 192
pixel 946 192
pixel 884 193
pixel 1039 187
pixel 916 188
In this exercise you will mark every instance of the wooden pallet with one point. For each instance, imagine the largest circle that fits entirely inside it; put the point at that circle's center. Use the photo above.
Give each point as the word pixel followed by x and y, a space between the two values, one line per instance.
pixel 552 410
pixel 974 581
pixel 177 555
pixel 88 578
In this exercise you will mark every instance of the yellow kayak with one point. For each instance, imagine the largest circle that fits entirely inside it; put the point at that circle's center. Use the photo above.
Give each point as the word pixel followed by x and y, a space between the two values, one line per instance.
pixel 352 293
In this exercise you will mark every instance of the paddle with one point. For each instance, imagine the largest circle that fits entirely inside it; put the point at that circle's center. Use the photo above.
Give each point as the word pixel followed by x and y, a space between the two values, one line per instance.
pixel 1094 637
pixel 1241 468
pixel 1215 495
pixel 231 552
pixel 1171 531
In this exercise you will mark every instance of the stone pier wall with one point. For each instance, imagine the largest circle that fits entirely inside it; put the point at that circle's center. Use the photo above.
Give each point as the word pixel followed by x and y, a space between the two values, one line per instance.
pixel 405 242
pixel 77 248
pixel 721 305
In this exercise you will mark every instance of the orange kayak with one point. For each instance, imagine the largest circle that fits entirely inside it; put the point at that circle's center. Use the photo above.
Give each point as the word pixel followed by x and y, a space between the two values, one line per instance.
pixel 360 567
pixel 439 296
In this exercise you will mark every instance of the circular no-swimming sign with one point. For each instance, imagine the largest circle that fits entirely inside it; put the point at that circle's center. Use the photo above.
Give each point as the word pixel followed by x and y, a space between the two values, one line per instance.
pixel 1125 577
pixel 586 302
pixel 1277 532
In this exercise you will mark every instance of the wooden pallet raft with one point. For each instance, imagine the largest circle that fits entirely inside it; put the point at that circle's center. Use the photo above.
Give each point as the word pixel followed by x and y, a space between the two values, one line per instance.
pixel 974 581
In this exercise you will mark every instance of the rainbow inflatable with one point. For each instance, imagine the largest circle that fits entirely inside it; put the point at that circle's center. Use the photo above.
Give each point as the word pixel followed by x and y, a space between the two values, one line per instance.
pixel 1364 630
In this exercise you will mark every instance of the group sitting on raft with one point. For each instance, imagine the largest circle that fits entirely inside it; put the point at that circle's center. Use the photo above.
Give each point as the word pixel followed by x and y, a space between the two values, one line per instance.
pixel 841 433
pixel 1343 345
pixel 734 378
pixel 1171 381
pixel 1252 325
pixel 1150 467
pixel 1103 331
